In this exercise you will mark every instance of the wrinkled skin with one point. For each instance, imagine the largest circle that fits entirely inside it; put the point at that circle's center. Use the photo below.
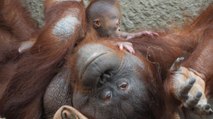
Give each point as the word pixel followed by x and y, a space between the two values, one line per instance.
pixel 106 81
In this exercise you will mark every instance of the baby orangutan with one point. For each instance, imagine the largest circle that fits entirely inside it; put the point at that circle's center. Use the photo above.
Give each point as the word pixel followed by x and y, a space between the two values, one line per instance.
pixel 104 16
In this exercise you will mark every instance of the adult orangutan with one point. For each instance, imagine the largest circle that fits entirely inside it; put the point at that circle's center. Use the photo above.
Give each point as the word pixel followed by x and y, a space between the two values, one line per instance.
pixel 98 80
pixel 64 27
pixel 104 83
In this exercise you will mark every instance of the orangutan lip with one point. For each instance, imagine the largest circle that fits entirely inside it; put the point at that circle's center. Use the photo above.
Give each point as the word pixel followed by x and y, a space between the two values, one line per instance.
pixel 91 60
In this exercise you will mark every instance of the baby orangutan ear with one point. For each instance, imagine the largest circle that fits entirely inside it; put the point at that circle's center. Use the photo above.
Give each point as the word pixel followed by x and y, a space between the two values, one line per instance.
pixel 97 23
pixel 176 65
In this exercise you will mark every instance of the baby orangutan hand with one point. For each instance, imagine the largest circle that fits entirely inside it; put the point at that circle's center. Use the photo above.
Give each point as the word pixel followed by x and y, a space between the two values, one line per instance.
pixel 142 33
pixel 126 45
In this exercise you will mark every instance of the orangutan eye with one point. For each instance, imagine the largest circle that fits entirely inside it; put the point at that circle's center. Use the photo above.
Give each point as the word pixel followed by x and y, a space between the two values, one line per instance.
pixel 123 85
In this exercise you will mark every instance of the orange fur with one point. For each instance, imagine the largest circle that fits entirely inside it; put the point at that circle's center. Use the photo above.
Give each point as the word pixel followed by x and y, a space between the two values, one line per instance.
pixel 39 65
pixel 167 47
pixel 15 27
pixel 201 55
pixel 194 42
pixel 23 96
pixel 18 19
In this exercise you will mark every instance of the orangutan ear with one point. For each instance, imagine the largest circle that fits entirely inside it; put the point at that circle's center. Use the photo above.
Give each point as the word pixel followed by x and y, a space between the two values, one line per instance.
pixel 97 23
pixel 176 65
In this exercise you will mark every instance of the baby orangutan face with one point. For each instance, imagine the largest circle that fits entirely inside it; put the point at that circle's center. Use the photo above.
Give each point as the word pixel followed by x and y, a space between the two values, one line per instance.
pixel 108 23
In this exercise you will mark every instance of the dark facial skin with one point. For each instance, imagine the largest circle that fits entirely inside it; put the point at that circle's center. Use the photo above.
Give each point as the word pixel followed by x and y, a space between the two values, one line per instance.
pixel 110 86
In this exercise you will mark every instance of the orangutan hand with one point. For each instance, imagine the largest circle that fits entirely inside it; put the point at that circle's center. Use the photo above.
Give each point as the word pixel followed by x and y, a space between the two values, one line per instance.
pixel 142 33
pixel 126 45
pixel 188 87
pixel 68 112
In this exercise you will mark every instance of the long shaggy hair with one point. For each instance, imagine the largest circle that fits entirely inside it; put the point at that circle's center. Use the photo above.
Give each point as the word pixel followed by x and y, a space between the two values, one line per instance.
pixel 22 98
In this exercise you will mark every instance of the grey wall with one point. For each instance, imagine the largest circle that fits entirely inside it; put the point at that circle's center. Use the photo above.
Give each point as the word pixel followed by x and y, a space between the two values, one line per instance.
pixel 36 8
pixel 160 13
pixel 144 14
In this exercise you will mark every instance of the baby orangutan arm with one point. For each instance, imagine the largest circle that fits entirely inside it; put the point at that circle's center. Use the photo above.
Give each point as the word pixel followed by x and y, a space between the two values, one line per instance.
pixel 129 36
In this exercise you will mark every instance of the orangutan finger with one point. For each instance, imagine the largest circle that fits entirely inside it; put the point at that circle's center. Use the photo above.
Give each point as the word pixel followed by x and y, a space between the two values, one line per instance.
pixel 191 102
pixel 185 90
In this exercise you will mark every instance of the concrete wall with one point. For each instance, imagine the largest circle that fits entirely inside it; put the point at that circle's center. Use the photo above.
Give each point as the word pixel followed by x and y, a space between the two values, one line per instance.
pixel 145 14
pixel 160 13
